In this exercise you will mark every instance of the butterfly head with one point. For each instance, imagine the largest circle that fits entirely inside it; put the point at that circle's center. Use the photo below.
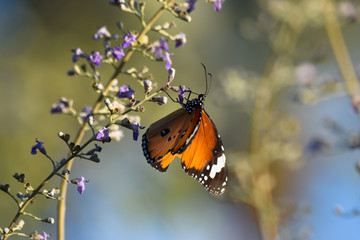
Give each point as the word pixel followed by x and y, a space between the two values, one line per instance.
pixel 198 102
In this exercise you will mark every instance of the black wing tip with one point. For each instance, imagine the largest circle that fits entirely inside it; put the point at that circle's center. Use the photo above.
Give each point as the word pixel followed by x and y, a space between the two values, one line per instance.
pixel 157 166
pixel 216 185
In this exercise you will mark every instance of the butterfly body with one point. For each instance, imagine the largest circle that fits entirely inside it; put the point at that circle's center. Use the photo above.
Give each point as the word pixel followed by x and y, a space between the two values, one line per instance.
pixel 191 135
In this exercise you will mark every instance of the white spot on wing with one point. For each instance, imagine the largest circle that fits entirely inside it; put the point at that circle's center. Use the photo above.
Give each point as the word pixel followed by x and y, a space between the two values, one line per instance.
pixel 216 168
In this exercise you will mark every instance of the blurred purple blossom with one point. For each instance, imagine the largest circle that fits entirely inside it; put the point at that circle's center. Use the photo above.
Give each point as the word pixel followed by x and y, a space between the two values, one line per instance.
pixel 182 90
pixel 81 184
pixel 85 112
pixel 128 39
pixel 317 145
pixel 95 58
pixel 39 146
pixel 135 128
pixel 158 52
pixel 163 44
pixel 63 106
pixel 166 57
pixel 126 92
pixel 103 135
pixel 191 5
pixel 117 52
pixel 101 33
pixel 43 236
pixel 77 54
pixel 217 5
pixel 180 39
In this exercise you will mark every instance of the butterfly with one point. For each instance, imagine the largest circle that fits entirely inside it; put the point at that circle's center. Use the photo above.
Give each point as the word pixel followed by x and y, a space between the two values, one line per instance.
pixel 190 134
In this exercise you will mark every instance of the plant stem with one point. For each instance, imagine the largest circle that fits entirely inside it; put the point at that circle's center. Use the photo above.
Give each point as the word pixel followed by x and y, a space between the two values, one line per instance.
pixel 63 185
pixel 339 48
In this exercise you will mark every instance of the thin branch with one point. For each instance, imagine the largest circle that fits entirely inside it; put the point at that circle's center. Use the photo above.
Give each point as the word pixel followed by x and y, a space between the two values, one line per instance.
pixel 339 47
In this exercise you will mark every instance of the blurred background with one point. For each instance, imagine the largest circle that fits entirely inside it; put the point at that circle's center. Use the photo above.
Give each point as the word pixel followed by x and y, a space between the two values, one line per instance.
pixel 305 157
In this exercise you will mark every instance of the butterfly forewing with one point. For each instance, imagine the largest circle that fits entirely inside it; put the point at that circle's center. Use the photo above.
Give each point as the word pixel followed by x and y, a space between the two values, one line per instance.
pixel 170 134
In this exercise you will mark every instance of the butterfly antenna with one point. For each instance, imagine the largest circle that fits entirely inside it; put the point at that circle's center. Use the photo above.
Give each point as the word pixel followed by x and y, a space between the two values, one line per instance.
pixel 170 96
pixel 206 80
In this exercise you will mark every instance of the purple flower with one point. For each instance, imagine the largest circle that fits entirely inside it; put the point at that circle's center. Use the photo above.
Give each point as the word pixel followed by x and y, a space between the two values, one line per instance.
pixel 163 44
pixel 63 106
pixel 166 57
pixel 135 128
pixel 217 5
pixel 128 39
pixel 77 54
pixel 39 146
pixel 191 5
pixel 180 39
pixel 95 58
pixel 101 32
pixel 126 92
pixel 182 90
pixel 81 184
pixel 130 125
pixel 158 52
pixel 103 135
pixel 117 52
pixel 43 236
pixel 317 145
pixel 85 112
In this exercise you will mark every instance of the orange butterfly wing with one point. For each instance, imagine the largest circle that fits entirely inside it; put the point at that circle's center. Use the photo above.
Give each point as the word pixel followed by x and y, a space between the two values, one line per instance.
pixel 168 136
pixel 204 159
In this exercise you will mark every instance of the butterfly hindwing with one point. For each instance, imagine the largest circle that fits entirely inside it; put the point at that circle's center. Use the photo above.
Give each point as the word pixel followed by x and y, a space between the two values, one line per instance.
pixel 204 159
pixel 163 163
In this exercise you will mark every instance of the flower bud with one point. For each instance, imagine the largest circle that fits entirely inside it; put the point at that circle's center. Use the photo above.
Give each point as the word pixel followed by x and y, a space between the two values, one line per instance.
pixel 160 100
pixel 147 86
pixel 94 158
pixel 20 177
pixel 20 195
pixel 171 75
pixel 48 220
pixel 140 109
pixel 19 225
pixel 91 120
pixel 109 105
pixel 65 172
pixel 39 146
pixel 97 86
